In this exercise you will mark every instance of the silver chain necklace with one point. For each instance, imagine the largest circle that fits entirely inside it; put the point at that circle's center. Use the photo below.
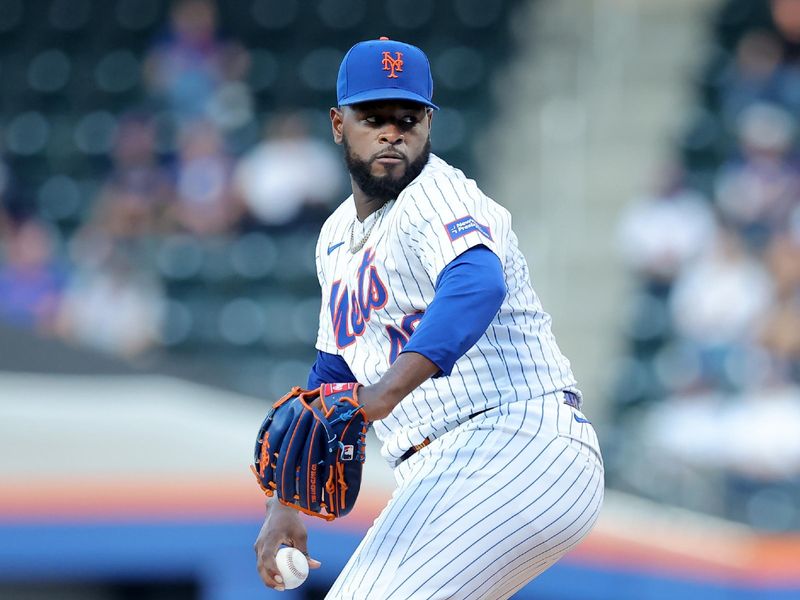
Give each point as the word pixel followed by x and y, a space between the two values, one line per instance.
pixel 376 216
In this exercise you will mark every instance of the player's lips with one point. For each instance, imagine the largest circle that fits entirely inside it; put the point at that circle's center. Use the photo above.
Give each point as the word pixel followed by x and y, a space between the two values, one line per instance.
pixel 390 158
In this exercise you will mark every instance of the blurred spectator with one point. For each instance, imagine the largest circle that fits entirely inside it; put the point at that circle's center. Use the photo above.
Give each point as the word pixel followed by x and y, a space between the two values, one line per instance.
pixel 205 203
pixel 660 233
pixel 196 74
pixel 780 333
pixel 31 280
pixel 727 362
pixel 138 189
pixel 758 192
pixel 758 74
pixel 717 302
pixel 783 260
pixel 289 175
pixel 754 434
pixel 786 15
pixel 109 305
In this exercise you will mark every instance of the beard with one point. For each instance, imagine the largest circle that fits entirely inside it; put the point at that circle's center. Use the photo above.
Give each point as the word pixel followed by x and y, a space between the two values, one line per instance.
pixel 386 187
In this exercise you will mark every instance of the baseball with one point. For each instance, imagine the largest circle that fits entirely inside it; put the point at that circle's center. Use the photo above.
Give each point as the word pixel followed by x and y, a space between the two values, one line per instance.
pixel 293 567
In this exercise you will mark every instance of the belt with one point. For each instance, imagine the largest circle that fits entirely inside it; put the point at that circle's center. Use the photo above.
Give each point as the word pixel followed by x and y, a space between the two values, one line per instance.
pixel 417 447
pixel 570 399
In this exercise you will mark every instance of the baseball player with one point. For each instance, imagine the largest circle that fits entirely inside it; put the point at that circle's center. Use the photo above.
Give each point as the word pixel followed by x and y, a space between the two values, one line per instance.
pixel 427 302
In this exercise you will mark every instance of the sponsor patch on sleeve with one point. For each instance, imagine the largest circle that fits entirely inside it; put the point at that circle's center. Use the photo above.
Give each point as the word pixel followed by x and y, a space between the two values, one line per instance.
pixel 464 225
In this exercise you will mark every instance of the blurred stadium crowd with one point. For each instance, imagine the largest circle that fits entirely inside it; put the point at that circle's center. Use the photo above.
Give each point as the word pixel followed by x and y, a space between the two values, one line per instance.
pixel 163 181
pixel 708 398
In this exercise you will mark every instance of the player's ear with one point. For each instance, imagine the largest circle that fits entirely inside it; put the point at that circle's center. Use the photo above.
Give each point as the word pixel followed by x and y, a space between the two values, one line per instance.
pixel 429 112
pixel 337 122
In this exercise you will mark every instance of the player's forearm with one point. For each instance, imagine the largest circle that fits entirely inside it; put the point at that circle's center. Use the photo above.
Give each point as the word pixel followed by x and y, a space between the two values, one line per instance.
pixel 404 376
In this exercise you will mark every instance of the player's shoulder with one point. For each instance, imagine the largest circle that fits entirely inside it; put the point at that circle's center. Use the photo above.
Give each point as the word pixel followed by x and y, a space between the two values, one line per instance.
pixel 438 171
pixel 441 184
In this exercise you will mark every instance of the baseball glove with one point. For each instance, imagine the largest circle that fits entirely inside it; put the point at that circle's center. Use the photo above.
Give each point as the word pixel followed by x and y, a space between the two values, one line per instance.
pixel 312 457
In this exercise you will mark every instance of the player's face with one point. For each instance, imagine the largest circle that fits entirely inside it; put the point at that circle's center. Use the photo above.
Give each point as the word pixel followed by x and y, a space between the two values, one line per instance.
pixel 386 144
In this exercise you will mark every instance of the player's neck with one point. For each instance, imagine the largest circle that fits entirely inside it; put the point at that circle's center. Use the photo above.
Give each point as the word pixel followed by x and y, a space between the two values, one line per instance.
pixel 365 205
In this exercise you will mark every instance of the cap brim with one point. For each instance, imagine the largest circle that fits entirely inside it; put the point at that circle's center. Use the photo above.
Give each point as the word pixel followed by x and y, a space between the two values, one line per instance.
pixel 386 94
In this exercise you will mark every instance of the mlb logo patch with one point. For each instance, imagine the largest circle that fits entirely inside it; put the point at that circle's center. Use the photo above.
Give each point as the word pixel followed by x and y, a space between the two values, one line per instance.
pixel 463 226
pixel 348 450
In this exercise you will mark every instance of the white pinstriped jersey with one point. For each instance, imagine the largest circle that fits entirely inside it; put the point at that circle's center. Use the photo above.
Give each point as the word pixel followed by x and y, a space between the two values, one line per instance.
pixel 372 300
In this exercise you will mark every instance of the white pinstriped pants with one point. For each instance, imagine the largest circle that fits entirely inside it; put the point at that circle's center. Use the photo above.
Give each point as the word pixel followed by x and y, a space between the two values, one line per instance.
pixel 483 509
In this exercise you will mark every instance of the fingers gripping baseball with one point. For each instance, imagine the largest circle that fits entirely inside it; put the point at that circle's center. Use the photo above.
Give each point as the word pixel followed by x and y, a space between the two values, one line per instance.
pixel 282 526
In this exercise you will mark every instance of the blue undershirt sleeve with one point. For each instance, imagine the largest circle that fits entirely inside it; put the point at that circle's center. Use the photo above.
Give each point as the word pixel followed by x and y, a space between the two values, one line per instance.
pixel 329 368
pixel 469 293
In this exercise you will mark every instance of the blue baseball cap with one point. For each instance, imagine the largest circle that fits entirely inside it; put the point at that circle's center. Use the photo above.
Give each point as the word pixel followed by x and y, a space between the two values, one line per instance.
pixel 384 69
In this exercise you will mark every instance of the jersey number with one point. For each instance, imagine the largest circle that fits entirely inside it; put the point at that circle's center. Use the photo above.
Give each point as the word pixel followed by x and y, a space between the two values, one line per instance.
pixel 398 338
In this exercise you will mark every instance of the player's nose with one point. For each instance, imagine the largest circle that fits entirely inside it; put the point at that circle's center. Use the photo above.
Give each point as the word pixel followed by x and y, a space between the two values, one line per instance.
pixel 391 134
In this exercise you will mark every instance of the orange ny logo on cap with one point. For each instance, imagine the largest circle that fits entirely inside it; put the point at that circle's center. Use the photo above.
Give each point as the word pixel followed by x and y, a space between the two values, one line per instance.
pixel 392 64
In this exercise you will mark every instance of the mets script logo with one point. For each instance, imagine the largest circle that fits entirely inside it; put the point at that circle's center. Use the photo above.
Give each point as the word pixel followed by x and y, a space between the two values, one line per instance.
pixel 392 64
pixel 351 311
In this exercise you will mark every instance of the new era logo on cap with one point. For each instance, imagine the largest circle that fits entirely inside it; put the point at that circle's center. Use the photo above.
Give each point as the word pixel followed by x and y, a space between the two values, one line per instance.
pixel 384 69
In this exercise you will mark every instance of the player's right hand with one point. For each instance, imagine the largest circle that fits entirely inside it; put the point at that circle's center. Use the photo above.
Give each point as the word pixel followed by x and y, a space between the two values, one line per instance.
pixel 282 526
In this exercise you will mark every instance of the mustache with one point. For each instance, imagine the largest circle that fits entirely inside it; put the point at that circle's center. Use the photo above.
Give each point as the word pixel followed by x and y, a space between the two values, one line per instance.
pixel 388 154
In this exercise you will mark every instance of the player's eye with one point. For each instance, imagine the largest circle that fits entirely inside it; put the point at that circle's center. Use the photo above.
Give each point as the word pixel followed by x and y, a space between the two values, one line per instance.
pixel 408 123
pixel 372 120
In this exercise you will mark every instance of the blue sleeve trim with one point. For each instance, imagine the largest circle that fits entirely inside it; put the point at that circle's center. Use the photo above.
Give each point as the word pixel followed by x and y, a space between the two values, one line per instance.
pixel 329 368
pixel 469 293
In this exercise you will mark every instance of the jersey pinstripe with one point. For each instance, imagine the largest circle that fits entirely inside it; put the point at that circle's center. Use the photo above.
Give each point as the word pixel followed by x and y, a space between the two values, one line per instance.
pixel 373 298
pixel 483 509
pixel 497 497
